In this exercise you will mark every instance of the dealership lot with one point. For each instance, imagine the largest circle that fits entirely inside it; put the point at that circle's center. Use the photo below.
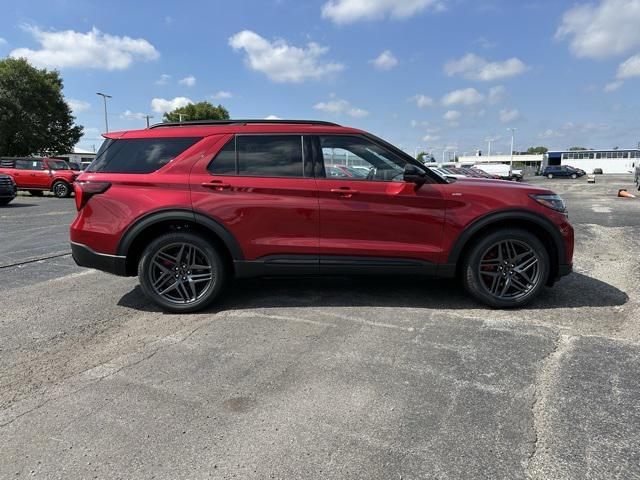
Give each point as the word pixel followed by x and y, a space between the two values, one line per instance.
pixel 325 378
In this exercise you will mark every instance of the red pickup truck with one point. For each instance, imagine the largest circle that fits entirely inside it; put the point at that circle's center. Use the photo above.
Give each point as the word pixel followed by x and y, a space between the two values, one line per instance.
pixel 37 175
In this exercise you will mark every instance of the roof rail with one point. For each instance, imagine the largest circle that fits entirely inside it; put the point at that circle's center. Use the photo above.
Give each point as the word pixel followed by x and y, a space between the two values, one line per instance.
pixel 197 123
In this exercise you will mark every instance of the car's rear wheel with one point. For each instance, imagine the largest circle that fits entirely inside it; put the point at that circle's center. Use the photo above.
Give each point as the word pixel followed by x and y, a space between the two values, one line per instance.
pixel 61 189
pixel 181 272
pixel 506 268
pixel 549 175
pixel 36 193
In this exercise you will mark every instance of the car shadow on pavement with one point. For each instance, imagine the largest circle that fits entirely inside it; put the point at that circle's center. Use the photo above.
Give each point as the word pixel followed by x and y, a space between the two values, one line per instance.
pixel 576 290
pixel 19 205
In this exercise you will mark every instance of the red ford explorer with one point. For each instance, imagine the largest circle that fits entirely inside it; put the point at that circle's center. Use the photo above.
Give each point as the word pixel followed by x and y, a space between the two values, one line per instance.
pixel 188 206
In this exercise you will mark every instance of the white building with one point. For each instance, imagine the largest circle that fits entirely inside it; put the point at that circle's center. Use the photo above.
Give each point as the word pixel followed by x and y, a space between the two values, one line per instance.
pixel 79 156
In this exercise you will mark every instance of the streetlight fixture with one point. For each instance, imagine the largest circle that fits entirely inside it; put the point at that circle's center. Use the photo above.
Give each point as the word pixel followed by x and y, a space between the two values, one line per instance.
pixel 513 134
pixel 106 122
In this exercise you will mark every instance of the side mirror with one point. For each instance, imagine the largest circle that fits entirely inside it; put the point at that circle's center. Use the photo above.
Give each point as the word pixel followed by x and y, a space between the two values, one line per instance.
pixel 413 174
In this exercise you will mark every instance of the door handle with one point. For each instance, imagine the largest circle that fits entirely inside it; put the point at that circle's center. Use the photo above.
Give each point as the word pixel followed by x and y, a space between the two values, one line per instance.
pixel 344 192
pixel 217 185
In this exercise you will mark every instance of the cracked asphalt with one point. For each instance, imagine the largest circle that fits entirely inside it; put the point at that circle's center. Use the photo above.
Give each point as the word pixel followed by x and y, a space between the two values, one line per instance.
pixel 326 378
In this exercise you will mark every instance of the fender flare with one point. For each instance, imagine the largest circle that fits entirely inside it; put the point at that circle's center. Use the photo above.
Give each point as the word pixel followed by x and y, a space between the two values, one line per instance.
pixel 153 218
pixel 477 225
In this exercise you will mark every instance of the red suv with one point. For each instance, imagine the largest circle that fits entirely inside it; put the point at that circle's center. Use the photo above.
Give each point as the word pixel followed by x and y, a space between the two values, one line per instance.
pixel 38 175
pixel 188 206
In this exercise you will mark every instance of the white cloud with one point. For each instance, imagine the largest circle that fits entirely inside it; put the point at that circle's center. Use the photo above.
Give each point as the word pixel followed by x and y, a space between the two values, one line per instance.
pixel 422 101
pixel 338 106
pixel 282 62
pixel 496 94
pixel 349 11
pixel 629 68
pixel 452 116
pixel 507 115
pixel 430 138
pixel 607 29
pixel 466 96
pixel 2 41
pixel 473 67
pixel 94 49
pixel 78 105
pixel 385 61
pixel 272 117
pixel 189 81
pixel 164 79
pixel 485 43
pixel 613 86
pixel 162 105
pixel 576 131
pixel 222 94
pixel 128 114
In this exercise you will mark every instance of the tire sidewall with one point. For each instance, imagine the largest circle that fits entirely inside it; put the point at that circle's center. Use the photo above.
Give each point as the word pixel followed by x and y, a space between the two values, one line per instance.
pixel 550 175
pixel 217 267
pixel 471 275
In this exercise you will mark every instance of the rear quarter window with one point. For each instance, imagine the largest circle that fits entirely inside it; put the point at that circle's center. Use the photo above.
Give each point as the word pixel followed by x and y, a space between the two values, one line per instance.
pixel 139 155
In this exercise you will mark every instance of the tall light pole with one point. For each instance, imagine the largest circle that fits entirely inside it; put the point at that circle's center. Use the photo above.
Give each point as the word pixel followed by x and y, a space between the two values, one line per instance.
pixel 513 134
pixel 106 122
pixel 148 117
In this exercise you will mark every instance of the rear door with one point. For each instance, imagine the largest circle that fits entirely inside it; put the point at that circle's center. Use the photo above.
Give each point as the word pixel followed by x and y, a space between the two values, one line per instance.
pixel 378 219
pixel 261 189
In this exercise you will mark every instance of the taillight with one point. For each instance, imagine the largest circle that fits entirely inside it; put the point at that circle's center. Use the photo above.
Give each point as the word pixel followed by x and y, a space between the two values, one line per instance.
pixel 86 190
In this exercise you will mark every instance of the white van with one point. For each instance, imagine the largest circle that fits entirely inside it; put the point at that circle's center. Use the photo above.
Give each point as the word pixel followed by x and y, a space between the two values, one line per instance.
pixel 500 169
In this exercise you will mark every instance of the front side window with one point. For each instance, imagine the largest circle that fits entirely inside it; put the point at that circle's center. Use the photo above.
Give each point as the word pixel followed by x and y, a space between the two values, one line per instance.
pixel 357 158
pixel 270 155
pixel 57 165
pixel 139 155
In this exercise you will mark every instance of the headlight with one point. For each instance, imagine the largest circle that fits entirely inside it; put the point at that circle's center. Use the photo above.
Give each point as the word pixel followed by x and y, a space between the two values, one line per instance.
pixel 551 201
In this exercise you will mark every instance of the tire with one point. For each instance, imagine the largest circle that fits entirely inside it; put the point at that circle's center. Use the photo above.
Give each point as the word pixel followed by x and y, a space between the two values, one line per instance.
pixel 574 176
pixel 549 175
pixel 478 276
pixel 36 193
pixel 61 189
pixel 180 297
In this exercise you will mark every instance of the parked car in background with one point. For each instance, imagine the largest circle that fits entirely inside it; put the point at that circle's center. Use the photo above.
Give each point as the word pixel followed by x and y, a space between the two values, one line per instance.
pixel 8 189
pixel 597 171
pixel 579 170
pixel 214 200
pixel 38 175
pixel 636 174
pixel 553 171
pixel 500 170
pixel 343 171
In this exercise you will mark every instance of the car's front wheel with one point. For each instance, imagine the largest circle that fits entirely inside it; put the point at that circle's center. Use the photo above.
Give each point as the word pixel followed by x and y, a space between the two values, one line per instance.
pixel 181 272
pixel 506 268
pixel 574 176
pixel 61 189
pixel 550 175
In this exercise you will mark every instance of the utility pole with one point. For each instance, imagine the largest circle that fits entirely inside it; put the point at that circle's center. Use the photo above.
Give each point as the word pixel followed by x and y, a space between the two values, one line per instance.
pixel 106 121
pixel 513 134
pixel 147 118
pixel 180 115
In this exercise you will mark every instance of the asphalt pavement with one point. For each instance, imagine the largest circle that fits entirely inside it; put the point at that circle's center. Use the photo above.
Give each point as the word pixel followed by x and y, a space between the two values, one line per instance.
pixel 326 378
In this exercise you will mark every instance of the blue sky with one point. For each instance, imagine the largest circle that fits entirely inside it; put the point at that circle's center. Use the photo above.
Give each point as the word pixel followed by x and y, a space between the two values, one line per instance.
pixel 432 74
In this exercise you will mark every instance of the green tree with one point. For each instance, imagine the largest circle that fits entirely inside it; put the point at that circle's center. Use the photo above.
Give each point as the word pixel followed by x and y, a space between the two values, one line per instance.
pixel 577 148
pixel 34 117
pixel 197 111
pixel 424 157
pixel 537 150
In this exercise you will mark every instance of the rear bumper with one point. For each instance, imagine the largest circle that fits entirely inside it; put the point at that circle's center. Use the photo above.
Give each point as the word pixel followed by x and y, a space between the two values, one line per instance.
pixel 86 257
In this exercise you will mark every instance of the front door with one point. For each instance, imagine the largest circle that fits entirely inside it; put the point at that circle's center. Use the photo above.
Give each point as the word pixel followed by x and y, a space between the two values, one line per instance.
pixel 369 216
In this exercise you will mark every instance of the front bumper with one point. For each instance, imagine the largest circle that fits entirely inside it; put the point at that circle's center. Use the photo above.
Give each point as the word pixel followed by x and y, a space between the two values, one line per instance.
pixel 86 257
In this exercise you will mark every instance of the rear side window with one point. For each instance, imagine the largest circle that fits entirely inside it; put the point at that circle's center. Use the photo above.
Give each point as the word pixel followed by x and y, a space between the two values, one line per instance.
pixel 139 155
pixel 270 155
pixel 224 163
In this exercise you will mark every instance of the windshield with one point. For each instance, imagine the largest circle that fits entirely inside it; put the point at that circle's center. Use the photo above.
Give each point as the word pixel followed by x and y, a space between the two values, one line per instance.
pixel 57 165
